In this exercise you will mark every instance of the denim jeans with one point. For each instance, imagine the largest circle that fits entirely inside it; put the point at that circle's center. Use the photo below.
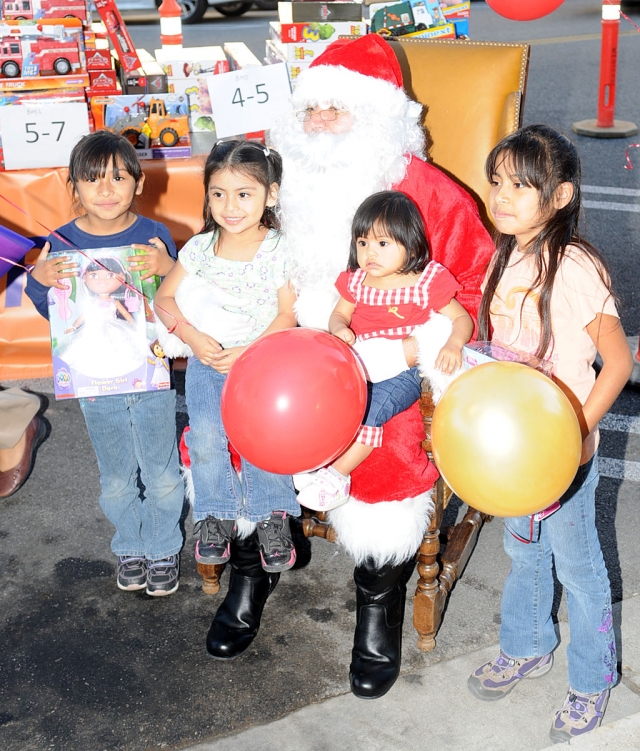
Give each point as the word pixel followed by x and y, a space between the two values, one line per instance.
pixel 569 539
pixel 131 432
pixel 218 490
pixel 388 398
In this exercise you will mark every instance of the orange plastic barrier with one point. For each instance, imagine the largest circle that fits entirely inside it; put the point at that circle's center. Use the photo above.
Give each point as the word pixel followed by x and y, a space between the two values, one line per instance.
pixel 173 194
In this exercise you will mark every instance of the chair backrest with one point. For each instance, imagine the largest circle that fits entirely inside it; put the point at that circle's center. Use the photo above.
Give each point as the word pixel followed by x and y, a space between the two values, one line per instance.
pixel 473 94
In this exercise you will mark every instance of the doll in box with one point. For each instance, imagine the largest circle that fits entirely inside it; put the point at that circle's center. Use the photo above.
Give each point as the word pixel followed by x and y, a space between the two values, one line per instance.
pixel 104 341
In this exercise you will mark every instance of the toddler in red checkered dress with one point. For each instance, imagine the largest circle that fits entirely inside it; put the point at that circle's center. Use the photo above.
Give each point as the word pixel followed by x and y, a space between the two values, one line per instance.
pixel 390 288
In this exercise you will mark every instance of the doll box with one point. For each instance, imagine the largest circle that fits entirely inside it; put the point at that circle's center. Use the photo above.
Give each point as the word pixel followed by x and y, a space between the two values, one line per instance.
pixel 103 338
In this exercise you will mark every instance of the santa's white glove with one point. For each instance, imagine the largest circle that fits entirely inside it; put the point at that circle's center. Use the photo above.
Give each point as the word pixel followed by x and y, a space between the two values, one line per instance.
pixel 382 358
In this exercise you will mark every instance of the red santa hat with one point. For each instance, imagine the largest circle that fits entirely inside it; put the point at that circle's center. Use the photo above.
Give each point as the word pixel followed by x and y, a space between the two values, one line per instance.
pixel 369 56
pixel 352 72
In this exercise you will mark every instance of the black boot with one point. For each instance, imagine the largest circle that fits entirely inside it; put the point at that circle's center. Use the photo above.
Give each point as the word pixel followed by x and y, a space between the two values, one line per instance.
pixel 237 621
pixel 377 644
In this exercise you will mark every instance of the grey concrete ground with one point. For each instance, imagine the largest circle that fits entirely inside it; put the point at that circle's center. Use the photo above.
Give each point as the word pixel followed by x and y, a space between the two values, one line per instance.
pixel 86 667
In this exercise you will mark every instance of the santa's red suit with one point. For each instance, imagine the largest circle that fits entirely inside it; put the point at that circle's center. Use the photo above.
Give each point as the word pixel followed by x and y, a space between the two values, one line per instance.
pixel 326 177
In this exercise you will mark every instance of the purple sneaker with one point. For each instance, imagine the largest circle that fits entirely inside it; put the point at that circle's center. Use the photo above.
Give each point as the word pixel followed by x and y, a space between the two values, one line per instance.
pixel 580 714
pixel 498 677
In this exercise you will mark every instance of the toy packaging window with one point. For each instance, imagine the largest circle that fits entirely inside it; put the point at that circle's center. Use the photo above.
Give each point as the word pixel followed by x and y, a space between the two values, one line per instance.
pixel 103 328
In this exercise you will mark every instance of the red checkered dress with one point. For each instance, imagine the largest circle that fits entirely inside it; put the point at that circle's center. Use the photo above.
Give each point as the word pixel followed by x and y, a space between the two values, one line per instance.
pixel 394 313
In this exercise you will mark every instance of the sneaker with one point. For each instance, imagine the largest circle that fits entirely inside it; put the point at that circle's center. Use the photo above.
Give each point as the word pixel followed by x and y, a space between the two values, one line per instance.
pixel 132 572
pixel 580 714
pixel 162 576
pixel 328 490
pixel 277 550
pixel 214 539
pixel 498 677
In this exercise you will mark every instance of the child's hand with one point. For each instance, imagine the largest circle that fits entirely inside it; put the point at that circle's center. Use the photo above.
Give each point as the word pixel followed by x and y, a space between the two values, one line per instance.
pixel 156 260
pixel 449 359
pixel 223 361
pixel 204 346
pixel 345 333
pixel 51 272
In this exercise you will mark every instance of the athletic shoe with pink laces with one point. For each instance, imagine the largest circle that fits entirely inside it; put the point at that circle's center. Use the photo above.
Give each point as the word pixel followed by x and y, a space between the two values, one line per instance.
pixel 328 490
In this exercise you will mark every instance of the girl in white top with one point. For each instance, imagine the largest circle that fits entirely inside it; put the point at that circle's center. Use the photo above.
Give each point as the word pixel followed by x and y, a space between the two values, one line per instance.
pixel 238 251
pixel 548 292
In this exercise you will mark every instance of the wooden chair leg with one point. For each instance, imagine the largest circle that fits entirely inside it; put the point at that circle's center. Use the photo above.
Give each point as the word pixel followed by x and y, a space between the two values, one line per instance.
pixel 429 599
pixel 210 573
pixel 436 578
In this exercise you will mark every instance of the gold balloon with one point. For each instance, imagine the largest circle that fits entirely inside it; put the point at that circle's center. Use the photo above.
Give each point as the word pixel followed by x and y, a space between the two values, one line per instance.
pixel 506 439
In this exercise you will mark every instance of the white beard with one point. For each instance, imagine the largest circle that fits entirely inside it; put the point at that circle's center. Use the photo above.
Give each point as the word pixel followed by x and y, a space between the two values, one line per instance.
pixel 326 178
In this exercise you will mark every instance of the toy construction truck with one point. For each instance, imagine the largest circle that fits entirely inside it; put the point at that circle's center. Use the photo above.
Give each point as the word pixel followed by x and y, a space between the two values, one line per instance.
pixel 151 123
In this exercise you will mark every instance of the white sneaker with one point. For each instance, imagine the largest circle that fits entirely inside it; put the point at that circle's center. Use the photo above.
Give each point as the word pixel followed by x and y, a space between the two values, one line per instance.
pixel 302 479
pixel 327 491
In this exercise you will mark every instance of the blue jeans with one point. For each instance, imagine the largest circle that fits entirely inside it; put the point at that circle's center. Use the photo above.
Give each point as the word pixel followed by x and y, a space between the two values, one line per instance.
pixel 219 491
pixel 388 398
pixel 569 539
pixel 132 432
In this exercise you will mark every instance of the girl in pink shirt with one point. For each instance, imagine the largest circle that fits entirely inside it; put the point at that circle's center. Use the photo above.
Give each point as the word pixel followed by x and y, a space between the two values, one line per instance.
pixel 548 292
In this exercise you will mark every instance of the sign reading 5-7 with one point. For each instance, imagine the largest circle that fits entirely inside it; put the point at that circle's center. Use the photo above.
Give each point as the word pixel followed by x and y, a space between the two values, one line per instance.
pixel 33 134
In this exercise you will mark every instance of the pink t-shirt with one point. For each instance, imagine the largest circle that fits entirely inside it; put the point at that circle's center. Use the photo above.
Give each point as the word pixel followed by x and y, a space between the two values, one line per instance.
pixel 578 296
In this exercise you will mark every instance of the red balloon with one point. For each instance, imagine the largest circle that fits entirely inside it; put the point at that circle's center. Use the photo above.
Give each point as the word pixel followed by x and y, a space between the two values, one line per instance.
pixel 524 10
pixel 294 401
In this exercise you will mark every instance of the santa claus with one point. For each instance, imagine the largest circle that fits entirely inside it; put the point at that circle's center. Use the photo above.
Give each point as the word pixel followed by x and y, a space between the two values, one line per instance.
pixel 353 131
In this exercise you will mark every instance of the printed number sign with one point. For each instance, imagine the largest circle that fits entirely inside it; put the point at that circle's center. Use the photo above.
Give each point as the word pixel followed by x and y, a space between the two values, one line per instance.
pixel 41 135
pixel 248 100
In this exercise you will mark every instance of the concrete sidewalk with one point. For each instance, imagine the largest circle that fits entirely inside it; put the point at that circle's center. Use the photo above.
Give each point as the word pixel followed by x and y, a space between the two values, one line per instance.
pixel 431 708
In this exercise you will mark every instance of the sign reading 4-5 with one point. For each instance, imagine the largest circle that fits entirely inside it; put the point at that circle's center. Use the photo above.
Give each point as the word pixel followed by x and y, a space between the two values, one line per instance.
pixel 249 100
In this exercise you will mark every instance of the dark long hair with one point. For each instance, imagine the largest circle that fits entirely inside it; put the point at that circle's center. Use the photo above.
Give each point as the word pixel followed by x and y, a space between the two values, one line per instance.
pixel 541 158
pixel 396 215
pixel 249 158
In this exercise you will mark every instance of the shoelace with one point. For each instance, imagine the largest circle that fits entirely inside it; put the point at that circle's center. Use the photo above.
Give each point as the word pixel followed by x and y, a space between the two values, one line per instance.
pixel 274 532
pixel 214 531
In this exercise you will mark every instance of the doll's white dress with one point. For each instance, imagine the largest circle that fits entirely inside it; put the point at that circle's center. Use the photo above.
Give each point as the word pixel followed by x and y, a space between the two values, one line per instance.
pixel 105 346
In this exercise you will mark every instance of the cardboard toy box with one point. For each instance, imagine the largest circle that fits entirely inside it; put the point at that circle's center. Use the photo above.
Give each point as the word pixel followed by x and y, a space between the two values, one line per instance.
pixel 46 54
pixel 240 56
pixel 480 352
pixel 192 61
pixel 195 92
pixel 302 12
pixel 157 125
pixel 315 31
pixel 148 78
pixel 292 53
pixel 36 10
pixel 457 13
pixel 118 34
pixel 103 337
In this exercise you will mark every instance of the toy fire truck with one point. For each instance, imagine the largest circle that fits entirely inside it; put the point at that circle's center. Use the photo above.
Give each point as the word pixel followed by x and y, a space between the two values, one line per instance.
pixel 26 10
pixel 29 57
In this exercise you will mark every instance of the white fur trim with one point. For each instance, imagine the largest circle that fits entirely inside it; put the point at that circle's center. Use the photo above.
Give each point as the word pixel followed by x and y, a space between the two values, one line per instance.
pixel 172 345
pixel 328 84
pixel 387 532
pixel 313 307
pixel 431 337
pixel 245 528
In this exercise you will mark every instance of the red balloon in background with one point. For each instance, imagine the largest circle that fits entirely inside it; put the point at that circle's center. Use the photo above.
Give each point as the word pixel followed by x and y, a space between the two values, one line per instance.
pixel 294 400
pixel 524 10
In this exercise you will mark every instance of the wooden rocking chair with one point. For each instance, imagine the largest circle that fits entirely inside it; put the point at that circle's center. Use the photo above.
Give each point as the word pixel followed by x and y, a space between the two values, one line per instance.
pixel 473 94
